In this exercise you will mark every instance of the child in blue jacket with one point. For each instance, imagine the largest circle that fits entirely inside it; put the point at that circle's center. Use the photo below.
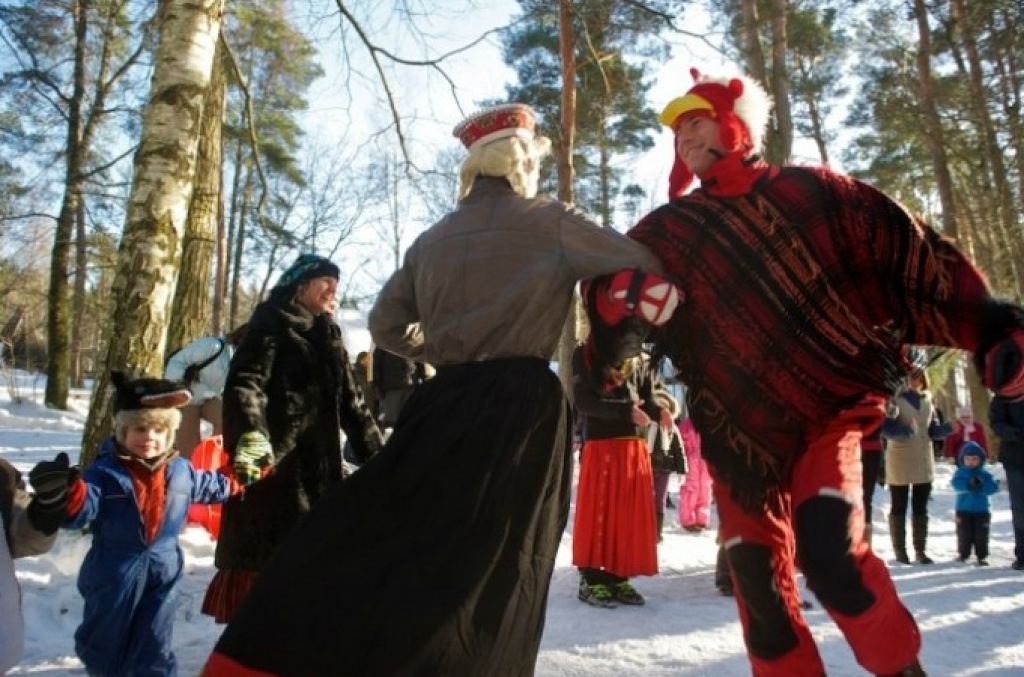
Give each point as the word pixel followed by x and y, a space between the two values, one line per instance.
pixel 135 496
pixel 974 484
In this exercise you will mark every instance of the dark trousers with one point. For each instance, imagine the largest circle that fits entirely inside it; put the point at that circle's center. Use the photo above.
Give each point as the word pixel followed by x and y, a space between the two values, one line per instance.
pixel 918 495
pixel 972 529
pixel 871 464
pixel 660 491
pixel 1015 488
pixel 600 577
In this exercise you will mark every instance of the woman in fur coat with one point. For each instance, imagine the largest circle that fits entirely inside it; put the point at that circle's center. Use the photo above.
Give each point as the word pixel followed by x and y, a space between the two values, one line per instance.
pixel 290 392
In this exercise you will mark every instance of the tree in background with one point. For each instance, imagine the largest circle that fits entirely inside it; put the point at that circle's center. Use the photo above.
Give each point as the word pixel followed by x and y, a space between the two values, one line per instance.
pixel 273 66
pixel 150 250
pixel 613 52
pixel 817 44
pixel 78 91
pixel 905 138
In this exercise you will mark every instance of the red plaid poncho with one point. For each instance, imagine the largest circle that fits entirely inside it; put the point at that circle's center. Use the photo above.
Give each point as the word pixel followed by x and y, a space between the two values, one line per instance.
pixel 799 295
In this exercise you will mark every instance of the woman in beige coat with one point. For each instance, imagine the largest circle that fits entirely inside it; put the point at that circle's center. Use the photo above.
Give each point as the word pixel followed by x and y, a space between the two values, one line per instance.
pixel 910 464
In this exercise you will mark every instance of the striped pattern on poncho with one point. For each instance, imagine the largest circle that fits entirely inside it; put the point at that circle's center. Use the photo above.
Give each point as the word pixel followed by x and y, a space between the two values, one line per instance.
pixel 799 296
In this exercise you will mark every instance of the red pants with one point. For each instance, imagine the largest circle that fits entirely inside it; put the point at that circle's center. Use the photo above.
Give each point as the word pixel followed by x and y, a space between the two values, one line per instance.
pixel 823 529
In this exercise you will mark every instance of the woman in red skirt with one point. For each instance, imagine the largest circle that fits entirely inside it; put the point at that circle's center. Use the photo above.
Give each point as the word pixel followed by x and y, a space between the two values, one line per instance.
pixel 614 536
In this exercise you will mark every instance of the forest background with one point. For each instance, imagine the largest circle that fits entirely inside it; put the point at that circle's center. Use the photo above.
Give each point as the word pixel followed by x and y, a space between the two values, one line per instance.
pixel 161 161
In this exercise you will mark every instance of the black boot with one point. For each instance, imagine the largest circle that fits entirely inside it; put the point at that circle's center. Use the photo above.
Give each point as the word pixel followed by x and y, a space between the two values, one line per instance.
pixel 898 532
pixel 661 524
pixel 912 670
pixel 920 527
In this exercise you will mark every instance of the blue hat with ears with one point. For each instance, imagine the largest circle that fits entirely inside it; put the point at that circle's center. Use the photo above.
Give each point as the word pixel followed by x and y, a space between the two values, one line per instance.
pixel 972 449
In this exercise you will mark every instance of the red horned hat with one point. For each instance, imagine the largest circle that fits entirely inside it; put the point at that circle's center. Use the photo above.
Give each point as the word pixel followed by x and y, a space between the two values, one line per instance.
pixel 740 106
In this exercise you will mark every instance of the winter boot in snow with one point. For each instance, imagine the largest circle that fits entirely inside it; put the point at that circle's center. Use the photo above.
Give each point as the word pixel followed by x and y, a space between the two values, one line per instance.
pixel 898 532
pixel 627 594
pixel 912 670
pixel 661 524
pixel 596 595
pixel 919 523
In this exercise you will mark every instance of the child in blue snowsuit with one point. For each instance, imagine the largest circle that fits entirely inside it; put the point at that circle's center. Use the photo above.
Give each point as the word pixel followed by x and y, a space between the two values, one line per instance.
pixel 135 495
pixel 974 484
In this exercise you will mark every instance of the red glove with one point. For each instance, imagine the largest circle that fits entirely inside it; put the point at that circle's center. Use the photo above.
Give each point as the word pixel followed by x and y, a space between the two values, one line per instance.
pixel 1003 370
pixel 634 293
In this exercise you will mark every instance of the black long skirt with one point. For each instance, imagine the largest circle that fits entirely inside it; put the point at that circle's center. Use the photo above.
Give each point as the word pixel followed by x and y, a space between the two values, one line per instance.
pixel 435 557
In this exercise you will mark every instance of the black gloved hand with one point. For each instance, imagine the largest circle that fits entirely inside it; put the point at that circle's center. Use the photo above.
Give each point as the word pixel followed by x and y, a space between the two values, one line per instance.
pixel 50 480
pixel 974 483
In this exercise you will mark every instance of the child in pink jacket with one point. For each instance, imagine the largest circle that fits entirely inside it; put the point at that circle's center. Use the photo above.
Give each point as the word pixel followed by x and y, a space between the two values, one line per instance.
pixel 695 494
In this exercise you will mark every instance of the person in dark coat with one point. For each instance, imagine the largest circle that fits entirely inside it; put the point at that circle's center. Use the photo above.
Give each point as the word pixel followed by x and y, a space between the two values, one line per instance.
pixel 667 456
pixel 290 392
pixel 1006 416
pixel 394 378
pixel 363 373
pixel 436 556
pixel 135 498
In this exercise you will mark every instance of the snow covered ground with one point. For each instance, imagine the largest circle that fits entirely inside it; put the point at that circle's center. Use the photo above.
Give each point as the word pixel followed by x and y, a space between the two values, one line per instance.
pixel 972 618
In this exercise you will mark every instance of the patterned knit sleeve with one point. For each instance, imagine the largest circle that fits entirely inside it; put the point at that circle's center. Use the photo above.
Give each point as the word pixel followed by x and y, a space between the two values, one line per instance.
pixel 917 280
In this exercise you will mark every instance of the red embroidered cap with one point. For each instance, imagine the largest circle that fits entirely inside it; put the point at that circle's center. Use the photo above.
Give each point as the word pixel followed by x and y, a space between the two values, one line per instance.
pixel 510 119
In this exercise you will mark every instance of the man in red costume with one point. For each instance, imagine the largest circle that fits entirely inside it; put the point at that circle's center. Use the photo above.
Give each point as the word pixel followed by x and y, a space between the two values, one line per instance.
pixel 801 287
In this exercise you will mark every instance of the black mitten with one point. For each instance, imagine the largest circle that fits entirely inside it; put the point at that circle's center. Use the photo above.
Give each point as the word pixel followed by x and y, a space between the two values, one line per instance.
pixel 50 481
pixel 974 483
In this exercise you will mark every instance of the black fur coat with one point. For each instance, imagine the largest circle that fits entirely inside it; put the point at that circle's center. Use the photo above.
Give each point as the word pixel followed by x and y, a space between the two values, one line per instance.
pixel 291 379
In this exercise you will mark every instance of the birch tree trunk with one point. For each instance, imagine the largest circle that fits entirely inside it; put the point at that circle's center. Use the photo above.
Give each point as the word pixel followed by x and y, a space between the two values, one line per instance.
pixel 165 162
pixel 190 317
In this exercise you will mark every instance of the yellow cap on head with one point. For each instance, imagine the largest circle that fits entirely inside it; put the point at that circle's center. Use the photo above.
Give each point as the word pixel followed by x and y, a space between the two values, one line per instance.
pixel 684 104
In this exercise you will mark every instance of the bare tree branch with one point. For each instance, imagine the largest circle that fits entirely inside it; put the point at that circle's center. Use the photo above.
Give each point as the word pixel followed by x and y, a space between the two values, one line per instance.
pixel 251 127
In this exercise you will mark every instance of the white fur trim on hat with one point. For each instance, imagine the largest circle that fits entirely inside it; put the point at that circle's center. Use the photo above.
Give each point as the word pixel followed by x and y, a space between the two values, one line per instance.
pixel 126 418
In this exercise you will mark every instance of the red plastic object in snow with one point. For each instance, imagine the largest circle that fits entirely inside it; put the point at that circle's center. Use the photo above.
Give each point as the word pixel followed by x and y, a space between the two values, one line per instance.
pixel 208 455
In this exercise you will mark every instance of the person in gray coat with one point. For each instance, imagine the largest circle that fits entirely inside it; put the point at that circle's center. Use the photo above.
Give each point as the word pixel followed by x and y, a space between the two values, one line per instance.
pixel 435 558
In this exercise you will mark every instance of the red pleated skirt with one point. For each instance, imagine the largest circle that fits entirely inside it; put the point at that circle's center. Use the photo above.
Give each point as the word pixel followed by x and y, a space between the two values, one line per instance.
pixel 614 528
pixel 225 593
